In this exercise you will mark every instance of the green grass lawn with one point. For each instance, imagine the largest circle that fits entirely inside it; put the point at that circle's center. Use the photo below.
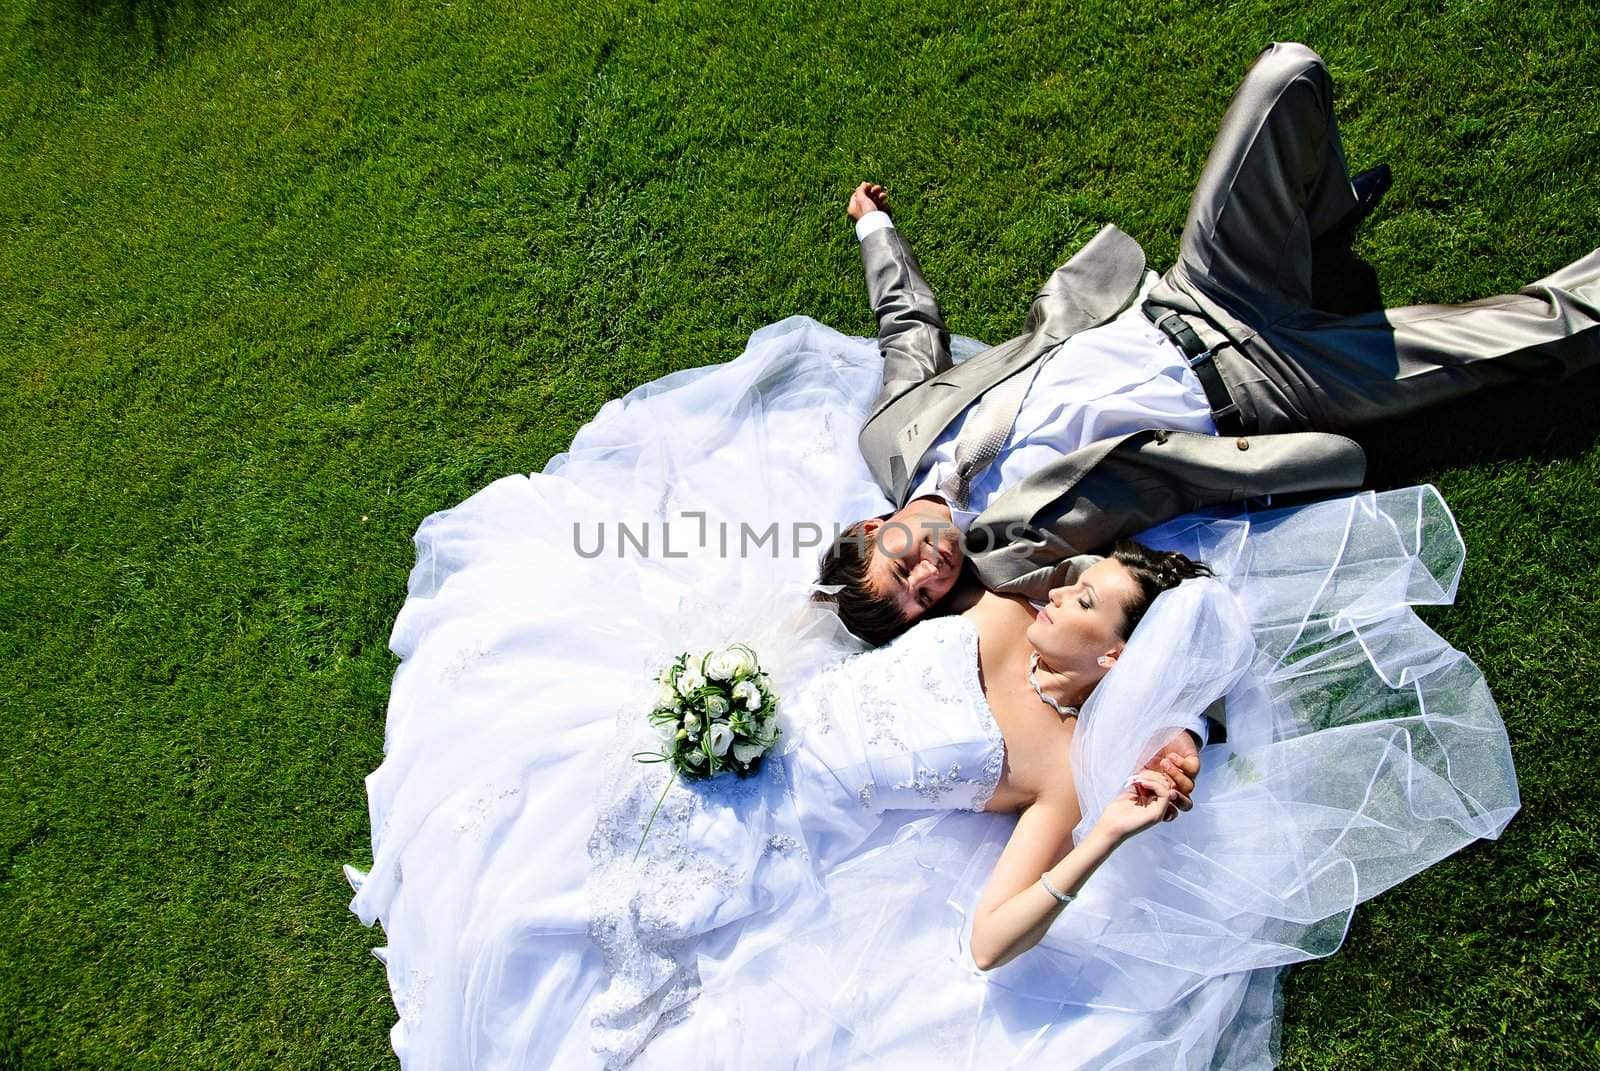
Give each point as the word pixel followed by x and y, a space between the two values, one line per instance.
pixel 279 280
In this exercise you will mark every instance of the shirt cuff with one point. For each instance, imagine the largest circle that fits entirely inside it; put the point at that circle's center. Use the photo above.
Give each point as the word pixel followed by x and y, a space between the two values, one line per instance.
pixel 1198 727
pixel 871 222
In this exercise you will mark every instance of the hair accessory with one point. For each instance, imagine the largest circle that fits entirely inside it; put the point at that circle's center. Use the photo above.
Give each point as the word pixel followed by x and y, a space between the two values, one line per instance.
pixel 1033 668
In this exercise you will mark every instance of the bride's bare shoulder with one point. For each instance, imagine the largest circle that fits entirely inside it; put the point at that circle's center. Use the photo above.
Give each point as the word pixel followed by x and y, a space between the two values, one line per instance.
pixel 999 613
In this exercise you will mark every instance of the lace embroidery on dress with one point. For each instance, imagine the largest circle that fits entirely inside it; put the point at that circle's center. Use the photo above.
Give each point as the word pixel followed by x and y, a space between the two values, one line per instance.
pixel 410 997
pixel 879 704
pixel 960 642
pixel 486 804
pixel 465 658
pixel 636 908
pixel 821 703
pixel 781 842
pixel 954 1042
pixel 823 442
pixel 943 671
pixel 993 767
pixel 988 781
pixel 933 786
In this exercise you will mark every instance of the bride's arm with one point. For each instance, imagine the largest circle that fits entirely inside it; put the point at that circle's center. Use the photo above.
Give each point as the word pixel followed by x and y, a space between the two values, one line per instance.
pixel 1015 910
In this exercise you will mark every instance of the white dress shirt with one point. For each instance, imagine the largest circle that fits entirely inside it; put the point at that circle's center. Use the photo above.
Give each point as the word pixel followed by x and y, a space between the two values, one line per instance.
pixel 1121 377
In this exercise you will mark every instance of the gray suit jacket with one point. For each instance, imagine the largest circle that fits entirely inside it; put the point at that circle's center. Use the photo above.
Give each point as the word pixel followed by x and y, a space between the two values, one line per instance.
pixel 1085 499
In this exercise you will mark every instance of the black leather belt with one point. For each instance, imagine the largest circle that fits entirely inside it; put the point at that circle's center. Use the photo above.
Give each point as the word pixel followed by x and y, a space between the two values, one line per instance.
pixel 1223 409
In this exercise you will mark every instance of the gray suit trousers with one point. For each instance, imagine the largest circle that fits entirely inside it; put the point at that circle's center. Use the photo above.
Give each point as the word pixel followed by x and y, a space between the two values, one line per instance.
pixel 1274 181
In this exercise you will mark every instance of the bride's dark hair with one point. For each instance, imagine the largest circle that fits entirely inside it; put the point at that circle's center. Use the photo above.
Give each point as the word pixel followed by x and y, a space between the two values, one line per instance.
pixel 1156 571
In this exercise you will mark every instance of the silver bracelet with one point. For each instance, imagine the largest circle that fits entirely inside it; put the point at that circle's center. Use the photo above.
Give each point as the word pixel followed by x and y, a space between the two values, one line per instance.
pixel 1044 880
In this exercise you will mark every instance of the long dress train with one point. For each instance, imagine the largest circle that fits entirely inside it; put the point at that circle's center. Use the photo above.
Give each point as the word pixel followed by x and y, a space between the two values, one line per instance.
pixel 815 915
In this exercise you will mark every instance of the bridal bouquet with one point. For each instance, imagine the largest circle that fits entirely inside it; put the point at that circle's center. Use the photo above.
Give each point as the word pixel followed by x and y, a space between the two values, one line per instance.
pixel 715 712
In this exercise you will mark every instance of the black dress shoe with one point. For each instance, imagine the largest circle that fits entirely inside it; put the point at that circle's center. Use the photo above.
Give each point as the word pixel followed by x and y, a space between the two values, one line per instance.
pixel 1370 186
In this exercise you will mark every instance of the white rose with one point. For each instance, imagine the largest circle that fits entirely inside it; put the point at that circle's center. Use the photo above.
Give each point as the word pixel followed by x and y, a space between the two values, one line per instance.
pixel 690 681
pixel 721 666
pixel 721 737
pixel 747 752
pixel 691 721
pixel 731 662
pixel 696 757
pixel 716 706
pixel 747 693
pixel 665 696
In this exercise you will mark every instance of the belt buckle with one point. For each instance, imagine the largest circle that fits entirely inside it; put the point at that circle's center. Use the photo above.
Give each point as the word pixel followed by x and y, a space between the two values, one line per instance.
pixel 1170 316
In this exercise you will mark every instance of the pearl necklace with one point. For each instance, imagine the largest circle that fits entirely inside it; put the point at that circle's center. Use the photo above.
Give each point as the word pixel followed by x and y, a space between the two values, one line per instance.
pixel 1033 669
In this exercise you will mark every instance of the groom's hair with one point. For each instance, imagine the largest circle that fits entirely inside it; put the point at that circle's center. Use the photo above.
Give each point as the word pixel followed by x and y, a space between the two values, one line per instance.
pixel 868 615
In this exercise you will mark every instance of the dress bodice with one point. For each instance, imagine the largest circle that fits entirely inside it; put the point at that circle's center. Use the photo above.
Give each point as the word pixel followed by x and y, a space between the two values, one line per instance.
pixel 903 727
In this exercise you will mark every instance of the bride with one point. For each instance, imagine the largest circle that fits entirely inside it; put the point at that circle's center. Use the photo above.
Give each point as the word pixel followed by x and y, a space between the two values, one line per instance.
pixel 871 897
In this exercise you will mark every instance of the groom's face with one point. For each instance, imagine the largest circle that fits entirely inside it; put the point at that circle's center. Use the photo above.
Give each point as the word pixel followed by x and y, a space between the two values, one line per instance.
pixel 916 556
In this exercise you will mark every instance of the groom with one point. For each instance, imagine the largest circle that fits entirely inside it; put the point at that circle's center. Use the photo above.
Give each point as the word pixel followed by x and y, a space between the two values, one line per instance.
pixel 1129 399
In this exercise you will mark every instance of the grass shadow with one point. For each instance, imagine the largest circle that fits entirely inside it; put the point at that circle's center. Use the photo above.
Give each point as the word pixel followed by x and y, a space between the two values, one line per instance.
pixel 1529 421
pixel 117 36
pixel 138 22
pixel 1525 421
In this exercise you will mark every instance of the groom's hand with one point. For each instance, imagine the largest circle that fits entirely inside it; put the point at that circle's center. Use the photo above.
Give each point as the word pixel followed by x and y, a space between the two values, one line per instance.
pixel 869 197
pixel 1179 759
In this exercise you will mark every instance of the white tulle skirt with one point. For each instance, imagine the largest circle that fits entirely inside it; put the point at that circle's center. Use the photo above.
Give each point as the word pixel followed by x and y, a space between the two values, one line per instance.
pixel 1361 749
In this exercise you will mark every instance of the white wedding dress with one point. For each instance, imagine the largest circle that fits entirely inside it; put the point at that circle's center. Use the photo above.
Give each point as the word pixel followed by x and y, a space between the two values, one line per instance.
pixel 815 915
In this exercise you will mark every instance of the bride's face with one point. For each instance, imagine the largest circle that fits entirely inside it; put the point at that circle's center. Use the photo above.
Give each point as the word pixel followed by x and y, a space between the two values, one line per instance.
pixel 916 556
pixel 1083 622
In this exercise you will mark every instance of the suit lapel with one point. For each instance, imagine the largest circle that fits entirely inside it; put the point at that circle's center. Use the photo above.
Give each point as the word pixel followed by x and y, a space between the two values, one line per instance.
pixel 1088 290
pixel 1096 284
pixel 1046 485
pixel 947 397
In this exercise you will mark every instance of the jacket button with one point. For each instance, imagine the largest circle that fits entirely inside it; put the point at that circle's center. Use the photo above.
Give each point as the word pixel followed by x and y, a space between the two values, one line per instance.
pixel 1243 444
pixel 1161 437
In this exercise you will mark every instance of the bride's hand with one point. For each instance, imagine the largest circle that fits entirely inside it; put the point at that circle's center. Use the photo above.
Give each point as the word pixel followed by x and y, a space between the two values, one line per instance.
pixel 1150 797
pixel 868 197
pixel 1179 759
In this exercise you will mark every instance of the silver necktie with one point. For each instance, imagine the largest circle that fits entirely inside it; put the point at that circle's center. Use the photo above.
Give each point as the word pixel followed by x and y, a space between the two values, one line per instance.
pixel 984 432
